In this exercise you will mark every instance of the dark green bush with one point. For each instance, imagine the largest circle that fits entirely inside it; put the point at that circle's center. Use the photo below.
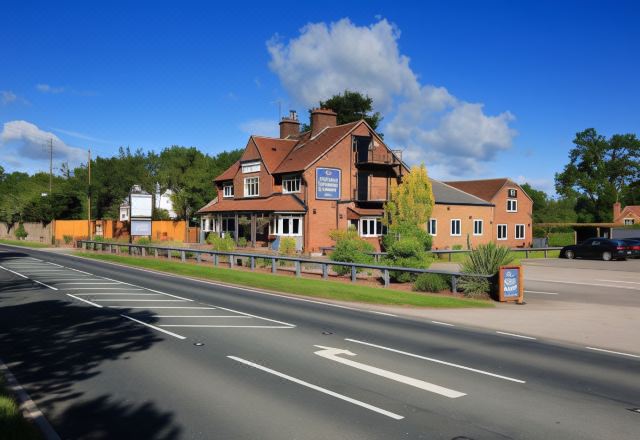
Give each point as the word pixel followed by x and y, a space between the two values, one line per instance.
pixel 350 248
pixel 431 282
pixel 21 233
pixel 406 246
pixel 561 238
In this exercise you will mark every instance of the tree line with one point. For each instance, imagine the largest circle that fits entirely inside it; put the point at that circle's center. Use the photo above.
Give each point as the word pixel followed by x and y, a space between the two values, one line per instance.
pixel 187 171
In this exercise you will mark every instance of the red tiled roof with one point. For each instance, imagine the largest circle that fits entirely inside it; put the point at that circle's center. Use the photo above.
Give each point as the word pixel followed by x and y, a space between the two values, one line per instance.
pixel 633 209
pixel 275 202
pixel 355 213
pixel 229 174
pixel 309 149
pixel 273 150
pixel 485 189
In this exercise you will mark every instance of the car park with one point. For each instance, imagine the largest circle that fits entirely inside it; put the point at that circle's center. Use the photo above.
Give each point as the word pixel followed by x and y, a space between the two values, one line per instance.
pixel 602 248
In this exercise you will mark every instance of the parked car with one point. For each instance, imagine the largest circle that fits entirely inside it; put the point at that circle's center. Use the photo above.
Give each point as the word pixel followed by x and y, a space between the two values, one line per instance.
pixel 634 244
pixel 601 248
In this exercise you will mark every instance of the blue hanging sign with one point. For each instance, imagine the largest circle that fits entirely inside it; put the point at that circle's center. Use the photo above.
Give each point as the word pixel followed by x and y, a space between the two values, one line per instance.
pixel 328 183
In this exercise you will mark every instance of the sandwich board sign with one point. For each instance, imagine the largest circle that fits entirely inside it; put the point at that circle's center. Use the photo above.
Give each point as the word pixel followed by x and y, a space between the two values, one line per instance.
pixel 511 286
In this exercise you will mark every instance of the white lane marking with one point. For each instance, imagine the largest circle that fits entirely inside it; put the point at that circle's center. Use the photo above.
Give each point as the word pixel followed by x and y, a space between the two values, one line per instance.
pixel 618 281
pixel 515 335
pixel 543 293
pixel 255 316
pixel 88 284
pixel 614 352
pixel 37 271
pixel 33 258
pixel 202 316
pixel 160 307
pixel 139 300
pixel 320 389
pixel 226 326
pixel 84 300
pixel 332 354
pixel 45 285
pixel 54 264
pixel 100 288
pixel 117 293
pixel 150 290
pixel 14 272
pixel 585 284
pixel 437 361
pixel 383 313
pixel 78 270
pixel 443 323
pixel 175 335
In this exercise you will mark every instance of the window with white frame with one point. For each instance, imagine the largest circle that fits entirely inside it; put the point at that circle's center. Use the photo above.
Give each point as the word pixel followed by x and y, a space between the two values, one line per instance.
pixel 227 190
pixel 502 232
pixel 251 167
pixel 291 184
pixel 478 227
pixel 456 227
pixel 519 232
pixel 629 221
pixel 512 192
pixel 512 205
pixel 432 226
pixel 370 227
pixel 287 225
pixel 251 186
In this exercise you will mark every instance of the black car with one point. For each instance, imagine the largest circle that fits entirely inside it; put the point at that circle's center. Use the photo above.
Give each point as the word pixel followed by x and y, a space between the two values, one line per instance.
pixel 602 248
pixel 634 244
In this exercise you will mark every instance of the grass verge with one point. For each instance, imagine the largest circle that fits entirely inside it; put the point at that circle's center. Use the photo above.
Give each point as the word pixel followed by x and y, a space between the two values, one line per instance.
pixel 517 256
pixel 29 244
pixel 299 286
pixel 12 425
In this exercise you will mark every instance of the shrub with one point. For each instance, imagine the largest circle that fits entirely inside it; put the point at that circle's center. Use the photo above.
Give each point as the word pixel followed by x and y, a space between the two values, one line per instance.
pixel 21 233
pixel 456 247
pixel 561 239
pixel 143 241
pixel 99 238
pixel 431 282
pixel 287 246
pixel 406 252
pixel 221 244
pixel 350 248
pixel 67 239
pixel 485 260
pixel 242 242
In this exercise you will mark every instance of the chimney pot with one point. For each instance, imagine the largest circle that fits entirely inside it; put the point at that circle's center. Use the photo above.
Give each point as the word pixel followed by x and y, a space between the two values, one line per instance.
pixel 617 210
pixel 322 118
pixel 289 125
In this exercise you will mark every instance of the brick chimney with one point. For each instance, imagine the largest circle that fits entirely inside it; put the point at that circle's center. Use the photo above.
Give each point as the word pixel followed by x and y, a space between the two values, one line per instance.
pixel 289 126
pixel 617 210
pixel 322 118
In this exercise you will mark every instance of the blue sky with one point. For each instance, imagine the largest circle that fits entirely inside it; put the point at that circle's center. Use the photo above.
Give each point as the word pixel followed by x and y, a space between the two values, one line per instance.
pixel 473 89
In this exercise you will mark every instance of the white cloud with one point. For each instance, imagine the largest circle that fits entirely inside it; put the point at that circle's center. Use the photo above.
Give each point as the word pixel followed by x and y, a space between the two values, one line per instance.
pixel 449 134
pixel 46 88
pixel 26 142
pixel 82 136
pixel 261 127
pixel 7 97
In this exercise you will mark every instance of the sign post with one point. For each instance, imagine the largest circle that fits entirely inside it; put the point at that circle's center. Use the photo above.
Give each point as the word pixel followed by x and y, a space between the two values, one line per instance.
pixel 141 206
pixel 511 285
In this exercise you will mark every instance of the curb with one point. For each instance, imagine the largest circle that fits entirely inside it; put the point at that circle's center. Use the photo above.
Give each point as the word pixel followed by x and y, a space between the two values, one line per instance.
pixel 28 407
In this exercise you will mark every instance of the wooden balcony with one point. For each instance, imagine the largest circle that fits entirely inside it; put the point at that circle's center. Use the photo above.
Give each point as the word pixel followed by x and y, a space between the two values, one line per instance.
pixel 379 158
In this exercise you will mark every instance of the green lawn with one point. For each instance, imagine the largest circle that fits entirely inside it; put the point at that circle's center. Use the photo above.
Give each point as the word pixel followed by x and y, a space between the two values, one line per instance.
pixel 12 425
pixel 517 256
pixel 24 243
pixel 299 286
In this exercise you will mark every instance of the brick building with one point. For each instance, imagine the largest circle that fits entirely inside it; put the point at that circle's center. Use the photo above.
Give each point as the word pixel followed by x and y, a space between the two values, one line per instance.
pixel 304 185
pixel 627 216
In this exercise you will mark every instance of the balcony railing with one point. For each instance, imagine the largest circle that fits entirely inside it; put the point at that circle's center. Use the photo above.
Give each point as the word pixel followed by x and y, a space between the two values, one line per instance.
pixel 373 157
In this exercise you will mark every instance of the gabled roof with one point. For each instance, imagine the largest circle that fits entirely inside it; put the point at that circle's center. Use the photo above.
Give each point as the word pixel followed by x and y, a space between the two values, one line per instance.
pixel 448 195
pixel 486 189
pixel 273 150
pixel 229 174
pixel 633 209
pixel 273 203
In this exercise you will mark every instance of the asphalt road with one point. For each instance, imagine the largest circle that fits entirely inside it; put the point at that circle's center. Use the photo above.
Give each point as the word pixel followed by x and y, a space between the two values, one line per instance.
pixel 113 352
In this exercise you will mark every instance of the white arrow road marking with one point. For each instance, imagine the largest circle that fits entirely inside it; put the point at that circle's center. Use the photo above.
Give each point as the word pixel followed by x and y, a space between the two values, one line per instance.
pixel 332 353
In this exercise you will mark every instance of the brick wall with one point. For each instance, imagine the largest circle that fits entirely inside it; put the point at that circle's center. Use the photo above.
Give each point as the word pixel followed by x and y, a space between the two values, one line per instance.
pixel 511 219
pixel 467 214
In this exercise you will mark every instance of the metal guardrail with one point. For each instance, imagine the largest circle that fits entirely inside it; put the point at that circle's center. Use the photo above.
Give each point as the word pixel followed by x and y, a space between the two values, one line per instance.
pixel 145 250
pixel 379 255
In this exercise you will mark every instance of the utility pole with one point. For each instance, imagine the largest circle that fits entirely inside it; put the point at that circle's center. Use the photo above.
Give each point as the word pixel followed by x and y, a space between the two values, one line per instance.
pixel 50 165
pixel 89 199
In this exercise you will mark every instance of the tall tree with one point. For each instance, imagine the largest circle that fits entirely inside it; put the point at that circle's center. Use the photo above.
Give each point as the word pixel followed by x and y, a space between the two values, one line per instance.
pixel 600 172
pixel 549 210
pixel 350 107
pixel 412 201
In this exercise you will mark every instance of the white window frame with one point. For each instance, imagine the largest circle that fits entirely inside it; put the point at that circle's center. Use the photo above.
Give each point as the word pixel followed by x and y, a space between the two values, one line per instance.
pixel 432 227
pixel 276 225
pixel 506 231
pixel 629 221
pixel 225 187
pixel 251 167
pixel 524 232
pixel 513 208
pixel 459 222
pixel 476 222
pixel 375 221
pixel 250 182
pixel 294 181
pixel 512 195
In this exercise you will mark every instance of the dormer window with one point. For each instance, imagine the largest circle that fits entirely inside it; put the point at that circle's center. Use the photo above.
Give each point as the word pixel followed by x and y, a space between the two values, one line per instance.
pixel 291 184
pixel 513 193
pixel 227 190
pixel 251 167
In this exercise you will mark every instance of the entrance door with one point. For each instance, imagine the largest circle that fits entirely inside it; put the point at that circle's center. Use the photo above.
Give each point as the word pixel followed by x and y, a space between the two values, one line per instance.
pixel 363 186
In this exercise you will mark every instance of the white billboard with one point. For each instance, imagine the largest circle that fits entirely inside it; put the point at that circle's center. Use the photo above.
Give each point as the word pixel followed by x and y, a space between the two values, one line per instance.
pixel 140 228
pixel 141 205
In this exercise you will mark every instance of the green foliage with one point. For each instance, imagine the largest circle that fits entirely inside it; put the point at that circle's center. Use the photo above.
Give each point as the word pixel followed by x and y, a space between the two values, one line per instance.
pixel 351 107
pixel 160 214
pixel 67 239
pixel 456 247
pixel 561 239
pixel 485 260
pixel 350 248
pixel 406 252
pixel 412 201
pixel 431 282
pixel 600 172
pixel 221 244
pixel 287 246
pixel 21 233
pixel 242 242
pixel 144 241
pixel 551 210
